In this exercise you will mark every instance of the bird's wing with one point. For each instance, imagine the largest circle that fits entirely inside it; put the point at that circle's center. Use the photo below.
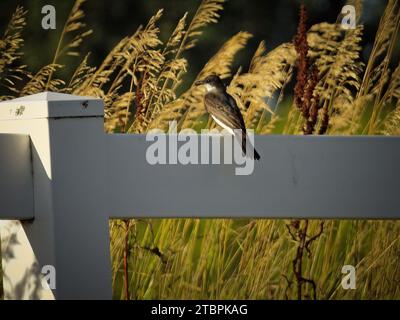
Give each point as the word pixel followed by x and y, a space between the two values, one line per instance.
pixel 225 109
pixel 237 111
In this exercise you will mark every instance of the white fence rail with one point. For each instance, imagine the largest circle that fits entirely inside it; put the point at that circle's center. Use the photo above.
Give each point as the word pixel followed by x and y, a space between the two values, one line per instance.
pixel 62 178
pixel 16 186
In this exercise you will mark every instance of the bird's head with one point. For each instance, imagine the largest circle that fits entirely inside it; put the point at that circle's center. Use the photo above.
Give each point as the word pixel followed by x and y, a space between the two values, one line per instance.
pixel 212 83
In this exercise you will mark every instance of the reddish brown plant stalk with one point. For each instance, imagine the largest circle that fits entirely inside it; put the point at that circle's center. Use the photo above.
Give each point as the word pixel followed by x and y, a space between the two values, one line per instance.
pixel 308 104
pixel 307 78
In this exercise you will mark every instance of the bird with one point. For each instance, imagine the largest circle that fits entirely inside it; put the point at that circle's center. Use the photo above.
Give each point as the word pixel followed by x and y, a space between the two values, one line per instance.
pixel 223 109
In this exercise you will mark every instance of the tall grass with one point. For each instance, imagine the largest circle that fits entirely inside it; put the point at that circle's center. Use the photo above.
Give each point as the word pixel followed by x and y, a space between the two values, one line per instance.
pixel 252 259
pixel 225 258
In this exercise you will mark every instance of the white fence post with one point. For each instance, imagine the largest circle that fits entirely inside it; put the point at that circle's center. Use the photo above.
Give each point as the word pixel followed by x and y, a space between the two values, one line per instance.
pixel 70 227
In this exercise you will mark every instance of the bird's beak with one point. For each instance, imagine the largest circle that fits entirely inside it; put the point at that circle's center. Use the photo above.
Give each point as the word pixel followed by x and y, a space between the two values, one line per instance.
pixel 199 83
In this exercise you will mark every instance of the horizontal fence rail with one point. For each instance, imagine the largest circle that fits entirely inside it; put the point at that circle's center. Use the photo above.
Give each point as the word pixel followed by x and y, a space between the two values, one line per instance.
pixel 16 187
pixel 297 177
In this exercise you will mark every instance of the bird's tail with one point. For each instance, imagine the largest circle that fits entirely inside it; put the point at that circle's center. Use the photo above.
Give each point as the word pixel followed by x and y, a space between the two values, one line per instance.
pixel 243 143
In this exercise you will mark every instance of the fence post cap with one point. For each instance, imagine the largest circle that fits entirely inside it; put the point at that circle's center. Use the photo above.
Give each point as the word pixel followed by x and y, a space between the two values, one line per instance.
pixel 51 105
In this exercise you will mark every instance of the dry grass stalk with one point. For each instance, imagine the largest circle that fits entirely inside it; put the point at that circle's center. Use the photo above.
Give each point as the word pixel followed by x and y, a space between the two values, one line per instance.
pixel 72 25
pixel 11 71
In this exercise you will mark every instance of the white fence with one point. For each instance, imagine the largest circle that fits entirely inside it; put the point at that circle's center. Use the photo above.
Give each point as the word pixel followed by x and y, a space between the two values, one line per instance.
pixel 62 178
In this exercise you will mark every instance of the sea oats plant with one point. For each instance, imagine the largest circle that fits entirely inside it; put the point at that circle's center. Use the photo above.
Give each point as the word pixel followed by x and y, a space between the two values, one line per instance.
pixel 139 81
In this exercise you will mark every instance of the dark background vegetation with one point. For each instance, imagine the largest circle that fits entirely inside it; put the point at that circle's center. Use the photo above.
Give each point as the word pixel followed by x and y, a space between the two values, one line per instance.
pixel 272 21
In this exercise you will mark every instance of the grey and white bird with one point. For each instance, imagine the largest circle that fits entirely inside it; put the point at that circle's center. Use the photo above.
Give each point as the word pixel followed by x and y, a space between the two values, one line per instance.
pixel 223 109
